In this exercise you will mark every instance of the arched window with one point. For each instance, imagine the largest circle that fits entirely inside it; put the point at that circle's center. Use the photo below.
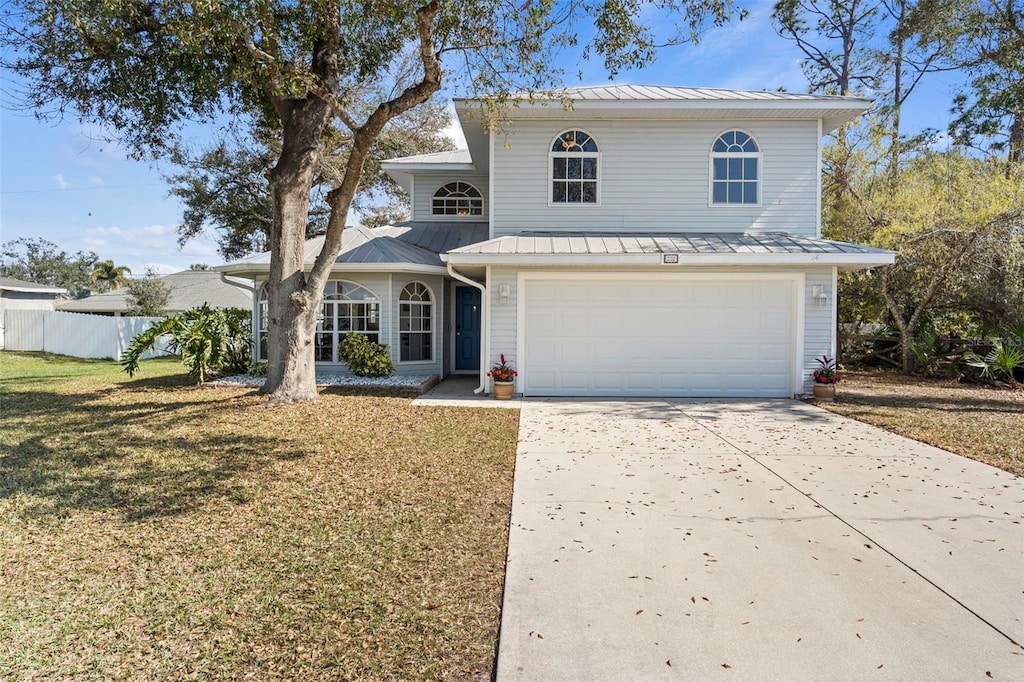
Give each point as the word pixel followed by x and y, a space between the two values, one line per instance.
pixel 346 307
pixel 415 323
pixel 735 169
pixel 574 168
pixel 262 326
pixel 458 199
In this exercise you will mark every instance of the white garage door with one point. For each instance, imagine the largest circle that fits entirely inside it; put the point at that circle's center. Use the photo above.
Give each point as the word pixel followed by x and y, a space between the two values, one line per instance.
pixel 698 338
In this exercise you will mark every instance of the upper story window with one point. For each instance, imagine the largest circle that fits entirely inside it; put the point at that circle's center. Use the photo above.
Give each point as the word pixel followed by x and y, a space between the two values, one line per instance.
pixel 574 168
pixel 735 169
pixel 458 199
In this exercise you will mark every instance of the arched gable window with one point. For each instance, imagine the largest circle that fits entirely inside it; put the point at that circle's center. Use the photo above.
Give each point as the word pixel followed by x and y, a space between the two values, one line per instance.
pixel 574 160
pixel 415 323
pixel 735 169
pixel 458 199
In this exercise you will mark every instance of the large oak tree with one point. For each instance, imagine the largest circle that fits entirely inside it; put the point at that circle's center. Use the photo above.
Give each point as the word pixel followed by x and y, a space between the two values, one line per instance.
pixel 145 67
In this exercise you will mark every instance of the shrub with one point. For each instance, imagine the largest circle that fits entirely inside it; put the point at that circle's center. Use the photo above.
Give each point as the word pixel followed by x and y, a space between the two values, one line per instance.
pixel 257 369
pixel 209 340
pixel 364 357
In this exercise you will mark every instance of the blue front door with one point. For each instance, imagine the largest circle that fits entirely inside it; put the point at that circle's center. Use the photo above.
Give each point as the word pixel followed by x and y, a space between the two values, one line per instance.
pixel 467 328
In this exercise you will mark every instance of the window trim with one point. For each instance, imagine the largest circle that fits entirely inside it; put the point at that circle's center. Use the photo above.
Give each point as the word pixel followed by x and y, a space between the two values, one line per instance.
pixel 433 324
pixel 550 174
pixel 263 300
pixel 712 155
pixel 450 216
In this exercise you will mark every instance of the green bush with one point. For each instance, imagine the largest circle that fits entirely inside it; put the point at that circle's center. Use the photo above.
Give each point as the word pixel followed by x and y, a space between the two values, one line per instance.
pixel 257 369
pixel 364 357
pixel 209 340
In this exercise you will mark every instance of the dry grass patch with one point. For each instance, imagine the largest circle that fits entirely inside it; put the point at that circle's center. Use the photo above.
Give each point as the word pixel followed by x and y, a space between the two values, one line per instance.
pixel 153 530
pixel 985 424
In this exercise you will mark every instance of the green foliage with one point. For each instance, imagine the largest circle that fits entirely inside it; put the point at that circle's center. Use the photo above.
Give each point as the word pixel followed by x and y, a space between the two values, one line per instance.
pixel 209 340
pixel 298 71
pixel 109 276
pixel 1002 361
pixel 257 369
pixel 364 357
pixel 147 296
pixel 42 262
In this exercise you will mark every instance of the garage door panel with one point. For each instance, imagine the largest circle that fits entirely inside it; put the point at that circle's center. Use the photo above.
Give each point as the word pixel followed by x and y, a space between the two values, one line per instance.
pixel 714 338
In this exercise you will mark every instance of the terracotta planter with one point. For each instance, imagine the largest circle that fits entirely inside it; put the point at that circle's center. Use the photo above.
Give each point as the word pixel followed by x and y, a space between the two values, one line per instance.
pixel 503 390
pixel 825 391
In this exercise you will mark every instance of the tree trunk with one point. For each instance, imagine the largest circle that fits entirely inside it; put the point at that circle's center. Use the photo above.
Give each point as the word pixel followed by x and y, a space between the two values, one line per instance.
pixel 1016 153
pixel 292 306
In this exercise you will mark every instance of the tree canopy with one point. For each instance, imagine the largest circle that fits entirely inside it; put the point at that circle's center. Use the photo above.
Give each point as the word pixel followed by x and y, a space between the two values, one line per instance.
pixel 145 68
pixel 43 262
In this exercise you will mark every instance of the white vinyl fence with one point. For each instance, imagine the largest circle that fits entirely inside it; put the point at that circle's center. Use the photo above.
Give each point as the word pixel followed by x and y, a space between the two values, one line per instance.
pixel 77 334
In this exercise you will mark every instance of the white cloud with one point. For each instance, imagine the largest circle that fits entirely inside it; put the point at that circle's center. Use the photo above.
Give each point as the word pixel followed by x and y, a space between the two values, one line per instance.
pixel 116 231
pixel 142 269
pixel 96 180
pixel 59 179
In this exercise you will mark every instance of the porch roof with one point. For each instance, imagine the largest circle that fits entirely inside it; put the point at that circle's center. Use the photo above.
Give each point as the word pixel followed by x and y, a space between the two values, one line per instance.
pixel 412 246
pixel 692 248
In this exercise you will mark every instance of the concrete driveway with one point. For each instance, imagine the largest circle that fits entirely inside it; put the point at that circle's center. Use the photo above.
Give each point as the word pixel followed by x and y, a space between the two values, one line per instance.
pixel 754 540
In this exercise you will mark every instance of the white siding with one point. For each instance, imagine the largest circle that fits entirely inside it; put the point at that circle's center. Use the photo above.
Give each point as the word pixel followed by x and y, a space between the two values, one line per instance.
pixel 654 175
pixel 387 289
pixel 819 321
pixel 389 314
pixel 503 319
pixel 427 183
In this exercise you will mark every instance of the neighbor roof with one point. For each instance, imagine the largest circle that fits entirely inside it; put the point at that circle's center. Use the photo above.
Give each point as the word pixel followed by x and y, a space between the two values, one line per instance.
pixel 709 248
pixel 411 246
pixel 188 289
pixel 11 284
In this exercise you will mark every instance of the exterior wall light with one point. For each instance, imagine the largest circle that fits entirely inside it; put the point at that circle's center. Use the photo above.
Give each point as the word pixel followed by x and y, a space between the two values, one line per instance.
pixel 819 295
pixel 503 291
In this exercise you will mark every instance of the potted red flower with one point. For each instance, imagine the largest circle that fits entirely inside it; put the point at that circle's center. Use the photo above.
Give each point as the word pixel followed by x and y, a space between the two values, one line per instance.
pixel 828 374
pixel 504 379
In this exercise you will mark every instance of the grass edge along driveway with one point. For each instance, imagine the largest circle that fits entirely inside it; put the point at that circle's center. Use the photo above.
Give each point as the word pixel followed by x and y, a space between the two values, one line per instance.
pixel 979 422
pixel 154 530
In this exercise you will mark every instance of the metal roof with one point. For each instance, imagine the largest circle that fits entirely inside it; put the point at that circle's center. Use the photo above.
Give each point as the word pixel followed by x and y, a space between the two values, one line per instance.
pixel 707 248
pixel 634 93
pixel 454 156
pixel 20 285
pixel 409 246
pixel 188 289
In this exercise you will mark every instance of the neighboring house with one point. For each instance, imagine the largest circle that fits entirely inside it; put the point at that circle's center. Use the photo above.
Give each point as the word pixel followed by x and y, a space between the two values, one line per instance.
pixel 16 294
pixel 647 241
pixel 188 289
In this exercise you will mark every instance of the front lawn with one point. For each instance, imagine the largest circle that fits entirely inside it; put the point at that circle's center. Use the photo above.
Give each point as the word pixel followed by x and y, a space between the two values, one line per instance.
pixel 985 424
pixel 154 530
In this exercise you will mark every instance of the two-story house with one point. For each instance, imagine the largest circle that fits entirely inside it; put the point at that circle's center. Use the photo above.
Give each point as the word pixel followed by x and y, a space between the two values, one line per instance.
pixel 646 241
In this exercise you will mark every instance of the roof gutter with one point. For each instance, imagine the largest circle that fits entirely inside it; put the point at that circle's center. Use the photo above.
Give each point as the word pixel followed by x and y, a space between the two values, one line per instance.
pixel 484 306
pixel 845 261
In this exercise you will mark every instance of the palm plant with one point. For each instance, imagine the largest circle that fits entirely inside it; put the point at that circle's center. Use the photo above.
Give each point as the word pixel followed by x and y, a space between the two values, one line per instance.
pixel 110 276
pixel 208 340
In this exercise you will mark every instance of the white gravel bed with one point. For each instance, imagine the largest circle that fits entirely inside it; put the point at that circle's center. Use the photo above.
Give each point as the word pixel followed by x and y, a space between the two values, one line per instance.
pixel 395 381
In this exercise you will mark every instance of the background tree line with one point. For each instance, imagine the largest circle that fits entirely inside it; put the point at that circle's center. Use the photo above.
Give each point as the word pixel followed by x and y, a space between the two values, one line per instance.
pixel 950 203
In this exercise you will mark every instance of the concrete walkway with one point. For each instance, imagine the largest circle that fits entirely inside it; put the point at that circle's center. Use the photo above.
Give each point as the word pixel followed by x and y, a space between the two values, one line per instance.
pixel 754 540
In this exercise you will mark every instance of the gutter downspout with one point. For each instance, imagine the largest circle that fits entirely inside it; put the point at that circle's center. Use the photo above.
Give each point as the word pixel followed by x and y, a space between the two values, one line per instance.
pixel 483 327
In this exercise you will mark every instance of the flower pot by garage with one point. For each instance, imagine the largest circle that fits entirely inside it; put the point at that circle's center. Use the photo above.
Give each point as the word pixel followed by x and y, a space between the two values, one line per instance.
pixel 825 391
pixel 503 390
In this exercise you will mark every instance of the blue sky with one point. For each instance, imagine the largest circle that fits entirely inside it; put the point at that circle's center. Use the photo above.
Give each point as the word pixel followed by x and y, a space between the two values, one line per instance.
pixel 59 182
